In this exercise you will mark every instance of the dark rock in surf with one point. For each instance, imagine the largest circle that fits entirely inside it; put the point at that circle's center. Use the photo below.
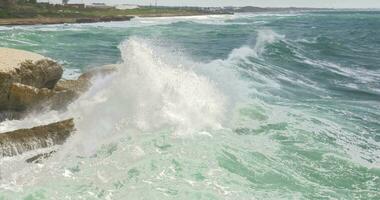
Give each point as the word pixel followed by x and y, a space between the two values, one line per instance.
pixel 24 97
pixel 10 115
pixel 23 140
pixel 83 83
pixel 30 81
pixel 40 157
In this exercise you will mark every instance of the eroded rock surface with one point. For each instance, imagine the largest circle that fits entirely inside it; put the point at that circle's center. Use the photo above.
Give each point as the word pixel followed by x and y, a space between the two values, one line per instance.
pixel 24 97
pixel 29 69
pixel 40 157
pixel 83 83
pixel 23 140
pixel 30 81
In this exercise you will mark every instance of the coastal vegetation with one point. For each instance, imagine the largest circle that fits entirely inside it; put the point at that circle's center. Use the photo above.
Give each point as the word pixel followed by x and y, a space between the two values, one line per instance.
pixel 46 10
pixel 30 9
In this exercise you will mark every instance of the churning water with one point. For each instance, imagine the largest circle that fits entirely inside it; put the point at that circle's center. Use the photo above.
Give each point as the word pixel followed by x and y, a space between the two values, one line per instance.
pixel 269 106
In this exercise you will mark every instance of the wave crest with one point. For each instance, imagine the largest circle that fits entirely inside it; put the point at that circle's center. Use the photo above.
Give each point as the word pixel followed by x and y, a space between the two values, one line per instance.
pixel 148 93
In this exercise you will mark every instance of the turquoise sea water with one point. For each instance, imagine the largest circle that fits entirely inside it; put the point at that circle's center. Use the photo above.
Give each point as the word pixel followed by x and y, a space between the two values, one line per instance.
pixel 250 106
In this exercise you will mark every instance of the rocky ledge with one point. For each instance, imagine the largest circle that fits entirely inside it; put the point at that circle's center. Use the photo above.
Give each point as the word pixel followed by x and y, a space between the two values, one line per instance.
pixel 19 141
pixel 30 81
pixel 21 68
pixel 61 20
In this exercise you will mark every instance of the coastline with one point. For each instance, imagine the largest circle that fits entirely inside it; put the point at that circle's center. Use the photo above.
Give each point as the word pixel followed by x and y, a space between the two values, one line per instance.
pixel 55 20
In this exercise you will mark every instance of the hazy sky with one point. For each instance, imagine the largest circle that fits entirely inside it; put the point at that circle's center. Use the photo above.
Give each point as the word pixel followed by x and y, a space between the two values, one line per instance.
pixel 267 3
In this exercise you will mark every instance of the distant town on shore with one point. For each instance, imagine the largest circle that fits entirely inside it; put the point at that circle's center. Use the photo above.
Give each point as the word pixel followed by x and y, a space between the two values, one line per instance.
pixel 26 5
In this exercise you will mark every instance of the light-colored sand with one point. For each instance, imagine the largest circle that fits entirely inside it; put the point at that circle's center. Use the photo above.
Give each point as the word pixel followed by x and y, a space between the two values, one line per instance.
pixel 11 58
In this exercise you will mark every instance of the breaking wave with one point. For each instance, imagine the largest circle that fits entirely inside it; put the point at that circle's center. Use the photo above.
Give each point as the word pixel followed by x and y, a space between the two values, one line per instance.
pixel 262 115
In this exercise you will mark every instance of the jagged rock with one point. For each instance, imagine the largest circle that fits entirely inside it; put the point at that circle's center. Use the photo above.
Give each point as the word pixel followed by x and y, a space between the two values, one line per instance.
pixel 23 97
pixel 30 69
pixel 67 91
pixel 23 140
pixel 40 157
pixel 31 81
pixel 83 83
pixel 10 115
pixel 99 71
pixel 78 86
pixel 40 74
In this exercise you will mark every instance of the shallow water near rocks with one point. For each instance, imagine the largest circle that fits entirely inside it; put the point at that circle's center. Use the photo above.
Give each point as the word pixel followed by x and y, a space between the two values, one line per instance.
pixel 249 106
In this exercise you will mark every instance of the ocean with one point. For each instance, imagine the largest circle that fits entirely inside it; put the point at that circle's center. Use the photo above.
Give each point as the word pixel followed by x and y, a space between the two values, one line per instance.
pixel 244 106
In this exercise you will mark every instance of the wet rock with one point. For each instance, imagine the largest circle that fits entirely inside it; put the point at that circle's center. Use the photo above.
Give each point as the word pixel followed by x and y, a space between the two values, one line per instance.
pixel 40 74
pixel 30 81
pixel 100 71
pixel 22 97
pixel 40 157
pixel 10 115
pixel 83 83
pixel 23 140
pixel 78 86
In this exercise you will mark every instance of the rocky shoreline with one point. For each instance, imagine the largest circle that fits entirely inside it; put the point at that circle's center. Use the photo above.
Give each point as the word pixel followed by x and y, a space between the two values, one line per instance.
pixel 80 20
pixel 23 140
pixel 32 82
pixel 52 20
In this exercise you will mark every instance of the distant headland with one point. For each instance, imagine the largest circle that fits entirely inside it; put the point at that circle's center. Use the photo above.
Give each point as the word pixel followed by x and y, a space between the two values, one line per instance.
pixel 32 12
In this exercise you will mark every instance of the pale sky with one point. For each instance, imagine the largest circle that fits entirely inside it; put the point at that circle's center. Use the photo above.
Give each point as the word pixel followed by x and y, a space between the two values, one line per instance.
pixel 262 3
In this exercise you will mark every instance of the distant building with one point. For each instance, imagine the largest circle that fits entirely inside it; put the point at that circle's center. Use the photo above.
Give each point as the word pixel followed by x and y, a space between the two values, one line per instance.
pixel 98 5
pixel 43 1
pixel 126 6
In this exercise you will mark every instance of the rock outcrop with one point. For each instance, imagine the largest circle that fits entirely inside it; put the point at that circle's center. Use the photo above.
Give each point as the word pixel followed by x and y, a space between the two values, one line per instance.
pixel 18 68
pixel 30 81
pixel 83 83
pixel 40 157
pixel 24 97
pixel 19 141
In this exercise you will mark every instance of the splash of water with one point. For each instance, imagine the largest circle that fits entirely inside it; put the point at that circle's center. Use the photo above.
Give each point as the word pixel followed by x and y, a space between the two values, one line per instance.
pixel 145 95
